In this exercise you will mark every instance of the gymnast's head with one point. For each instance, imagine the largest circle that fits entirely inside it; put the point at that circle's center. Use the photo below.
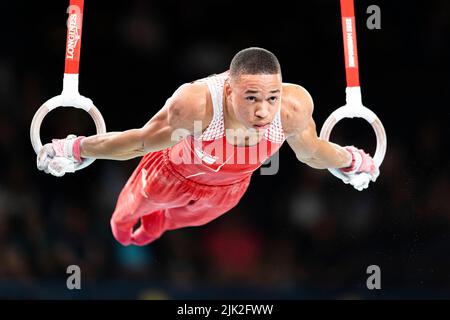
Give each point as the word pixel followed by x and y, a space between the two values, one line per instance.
pixel 254 87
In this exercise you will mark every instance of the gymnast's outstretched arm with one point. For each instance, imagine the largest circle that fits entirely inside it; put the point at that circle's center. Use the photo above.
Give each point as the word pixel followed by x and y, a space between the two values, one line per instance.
pixel 300 130
pixel 167 127
pixel 301 134
pixel 179 112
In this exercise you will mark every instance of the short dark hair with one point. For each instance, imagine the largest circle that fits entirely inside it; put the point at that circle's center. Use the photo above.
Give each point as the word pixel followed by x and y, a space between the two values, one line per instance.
pixel 254 61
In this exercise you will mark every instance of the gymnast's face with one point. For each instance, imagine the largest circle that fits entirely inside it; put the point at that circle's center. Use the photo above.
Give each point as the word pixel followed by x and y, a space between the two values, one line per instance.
pixel 254 98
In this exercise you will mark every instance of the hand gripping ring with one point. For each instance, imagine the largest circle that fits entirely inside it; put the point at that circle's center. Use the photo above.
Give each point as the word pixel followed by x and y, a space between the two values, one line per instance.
pixel 352 109
pixel 76 101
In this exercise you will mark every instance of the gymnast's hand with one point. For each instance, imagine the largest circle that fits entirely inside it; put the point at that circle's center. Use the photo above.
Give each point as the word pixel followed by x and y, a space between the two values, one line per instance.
pixel 361 163
pixel 60 156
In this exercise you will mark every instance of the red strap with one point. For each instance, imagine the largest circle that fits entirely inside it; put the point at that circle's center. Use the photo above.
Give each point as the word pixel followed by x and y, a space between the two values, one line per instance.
pixel 74 28
pixel 76 149
pixel 351 167
pixel 350 47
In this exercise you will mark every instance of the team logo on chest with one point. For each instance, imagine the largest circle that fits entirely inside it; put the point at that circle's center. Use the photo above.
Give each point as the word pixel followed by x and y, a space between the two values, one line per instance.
pixel 209 159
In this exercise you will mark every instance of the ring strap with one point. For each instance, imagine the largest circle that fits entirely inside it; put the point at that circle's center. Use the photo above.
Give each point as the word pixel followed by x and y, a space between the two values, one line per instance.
pixel 350 45
pixel 74 30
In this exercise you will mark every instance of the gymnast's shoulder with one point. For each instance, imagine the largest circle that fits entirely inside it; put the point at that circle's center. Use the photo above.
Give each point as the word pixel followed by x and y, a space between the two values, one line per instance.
pixel 296 107
pixel 189 102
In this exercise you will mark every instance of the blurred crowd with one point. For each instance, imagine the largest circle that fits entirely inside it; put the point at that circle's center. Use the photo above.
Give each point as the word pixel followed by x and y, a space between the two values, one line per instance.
pixel 300 233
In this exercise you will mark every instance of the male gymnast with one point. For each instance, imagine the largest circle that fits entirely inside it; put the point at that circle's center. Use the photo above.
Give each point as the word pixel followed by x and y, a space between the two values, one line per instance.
pixel 200 149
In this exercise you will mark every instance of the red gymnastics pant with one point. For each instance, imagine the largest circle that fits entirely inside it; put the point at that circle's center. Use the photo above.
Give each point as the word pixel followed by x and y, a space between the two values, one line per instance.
pixel 164 200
